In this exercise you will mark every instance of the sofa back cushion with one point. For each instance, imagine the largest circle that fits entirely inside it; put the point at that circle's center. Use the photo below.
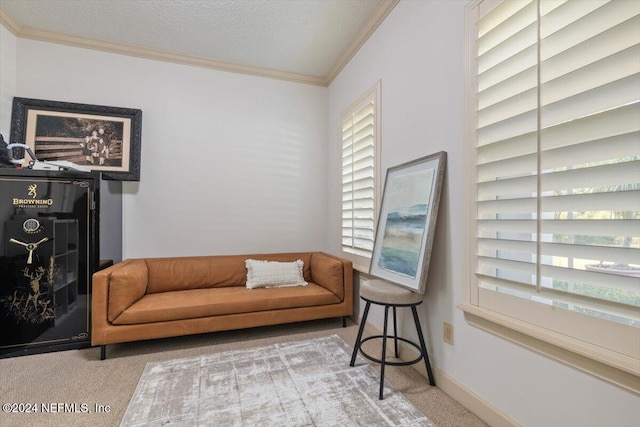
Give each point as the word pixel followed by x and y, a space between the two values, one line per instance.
pixel 173 274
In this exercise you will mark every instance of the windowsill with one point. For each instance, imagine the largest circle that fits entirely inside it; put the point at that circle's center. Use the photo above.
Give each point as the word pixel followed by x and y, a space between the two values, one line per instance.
pixel 613 368
pixel 360 264
pixel 361 269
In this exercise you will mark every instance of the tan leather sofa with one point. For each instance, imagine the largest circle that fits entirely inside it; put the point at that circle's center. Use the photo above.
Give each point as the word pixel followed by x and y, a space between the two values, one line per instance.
pixel 141 299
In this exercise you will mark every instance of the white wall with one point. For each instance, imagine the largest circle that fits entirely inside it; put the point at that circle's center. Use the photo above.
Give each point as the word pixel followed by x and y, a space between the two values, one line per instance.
pixel 7 79
pixel 230 163
pixel 418 53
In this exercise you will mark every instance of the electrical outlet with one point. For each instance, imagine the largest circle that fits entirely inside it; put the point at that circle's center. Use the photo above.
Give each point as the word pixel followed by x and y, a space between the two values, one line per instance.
pixel 448 333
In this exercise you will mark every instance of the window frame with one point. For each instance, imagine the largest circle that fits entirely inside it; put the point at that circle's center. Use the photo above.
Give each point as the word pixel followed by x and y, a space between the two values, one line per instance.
pixel 362 263
pixel 506 316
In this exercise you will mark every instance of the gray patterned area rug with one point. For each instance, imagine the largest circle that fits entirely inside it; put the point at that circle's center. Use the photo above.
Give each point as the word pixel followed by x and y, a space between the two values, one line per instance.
pixel 303 383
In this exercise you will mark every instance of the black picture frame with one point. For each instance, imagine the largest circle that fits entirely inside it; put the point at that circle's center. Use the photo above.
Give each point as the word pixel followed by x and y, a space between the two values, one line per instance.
pixel 82 133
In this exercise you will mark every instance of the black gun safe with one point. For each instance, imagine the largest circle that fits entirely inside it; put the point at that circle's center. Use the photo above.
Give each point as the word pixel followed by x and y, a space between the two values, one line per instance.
pixel 48 253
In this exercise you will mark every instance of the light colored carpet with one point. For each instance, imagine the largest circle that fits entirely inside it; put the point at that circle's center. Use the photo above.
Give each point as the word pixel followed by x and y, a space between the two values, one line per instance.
pixel 79 376
pixel 297 383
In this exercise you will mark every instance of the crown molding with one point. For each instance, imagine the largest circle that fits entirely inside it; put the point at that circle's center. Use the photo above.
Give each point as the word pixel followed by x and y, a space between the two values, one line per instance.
pixel 8 22
pixel 378 16
pixel 161 55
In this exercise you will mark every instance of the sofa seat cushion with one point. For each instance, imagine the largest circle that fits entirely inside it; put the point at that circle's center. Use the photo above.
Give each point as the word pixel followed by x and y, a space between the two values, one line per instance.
pixel 194 303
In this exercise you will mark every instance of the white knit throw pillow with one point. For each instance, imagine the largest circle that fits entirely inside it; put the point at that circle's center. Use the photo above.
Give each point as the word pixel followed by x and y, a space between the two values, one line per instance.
pixel 274 274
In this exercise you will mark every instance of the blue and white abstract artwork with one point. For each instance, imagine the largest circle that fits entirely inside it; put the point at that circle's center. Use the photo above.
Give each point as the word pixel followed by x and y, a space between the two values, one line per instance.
pixel 408 208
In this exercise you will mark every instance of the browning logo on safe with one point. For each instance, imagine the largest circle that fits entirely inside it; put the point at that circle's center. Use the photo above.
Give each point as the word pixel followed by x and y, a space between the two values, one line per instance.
pixel 32 202
pixel 32 190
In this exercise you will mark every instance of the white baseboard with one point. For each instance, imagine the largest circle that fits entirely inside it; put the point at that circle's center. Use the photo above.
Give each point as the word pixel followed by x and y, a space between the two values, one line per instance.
pixel 474 403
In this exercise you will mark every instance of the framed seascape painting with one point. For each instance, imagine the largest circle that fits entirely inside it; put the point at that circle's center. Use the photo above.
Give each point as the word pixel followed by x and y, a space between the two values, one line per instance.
pixel 105 139
pixel 407 220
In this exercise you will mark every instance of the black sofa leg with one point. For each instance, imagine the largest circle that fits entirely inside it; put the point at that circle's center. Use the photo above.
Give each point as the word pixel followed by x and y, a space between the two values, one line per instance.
pixel 344 321
pixel 103 352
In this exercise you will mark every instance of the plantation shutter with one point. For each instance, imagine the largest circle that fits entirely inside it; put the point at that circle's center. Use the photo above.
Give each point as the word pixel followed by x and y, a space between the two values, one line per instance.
pixel 558 156
pixel 358 177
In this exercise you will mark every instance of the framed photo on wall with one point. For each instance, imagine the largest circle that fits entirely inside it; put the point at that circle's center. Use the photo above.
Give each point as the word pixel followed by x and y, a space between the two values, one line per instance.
pixel 105 139
pixel 407 221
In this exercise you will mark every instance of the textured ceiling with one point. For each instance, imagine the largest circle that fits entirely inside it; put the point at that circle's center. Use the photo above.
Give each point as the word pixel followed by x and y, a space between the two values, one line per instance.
pixel 306 37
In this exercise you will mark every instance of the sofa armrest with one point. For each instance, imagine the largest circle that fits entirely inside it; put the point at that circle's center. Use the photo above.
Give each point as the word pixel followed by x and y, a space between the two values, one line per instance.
pixel 334 274
pixel 100 301
pixel 115 289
